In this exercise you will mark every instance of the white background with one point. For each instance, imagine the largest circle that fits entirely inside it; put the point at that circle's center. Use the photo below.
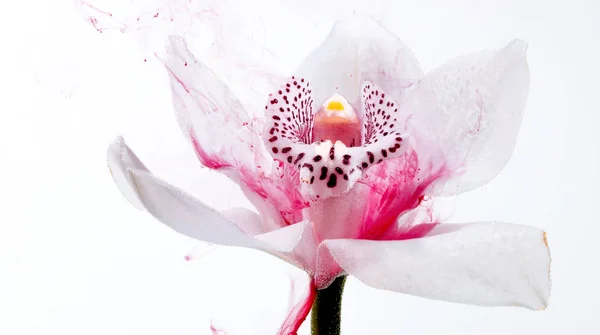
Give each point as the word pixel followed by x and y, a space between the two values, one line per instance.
pixel 76 258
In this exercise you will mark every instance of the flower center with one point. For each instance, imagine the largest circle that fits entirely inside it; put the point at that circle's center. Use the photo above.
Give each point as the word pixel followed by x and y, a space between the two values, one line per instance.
pixel 337 121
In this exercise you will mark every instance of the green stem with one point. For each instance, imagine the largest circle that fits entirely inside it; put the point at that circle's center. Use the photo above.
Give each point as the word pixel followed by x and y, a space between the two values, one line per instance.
pixel 327 309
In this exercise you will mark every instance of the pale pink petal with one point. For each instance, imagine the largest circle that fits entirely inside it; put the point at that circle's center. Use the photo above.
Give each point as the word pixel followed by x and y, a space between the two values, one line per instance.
pixel 209 112
pixel 490 264
pixel 185 214
pixel 466 115
pixel 170 205
pixel 357 49
pixel 398 186
pixel 340 217
pixel 296 243
pixel 364 214
pixel 225 138
pixel 248 221
pixel 276 196
pixel 414 223
pixel 268 207
pixel 328 268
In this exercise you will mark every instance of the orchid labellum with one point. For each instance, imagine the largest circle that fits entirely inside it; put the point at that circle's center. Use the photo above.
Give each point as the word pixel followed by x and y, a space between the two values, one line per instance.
pixel 343 164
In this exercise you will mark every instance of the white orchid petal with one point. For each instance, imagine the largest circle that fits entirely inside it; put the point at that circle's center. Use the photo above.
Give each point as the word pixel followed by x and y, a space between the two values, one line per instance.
pixel 471 110
pixel 247 220
pixel 210 114
pixel 296 243
pixel 285 239
pixel 172 206
pixel 268 208
pixel 492 264
pixel 223 135
pixel 357 49
pixel 185 214
pixel 120 159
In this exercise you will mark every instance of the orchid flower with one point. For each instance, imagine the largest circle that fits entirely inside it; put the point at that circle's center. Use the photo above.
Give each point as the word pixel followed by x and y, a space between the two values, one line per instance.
pixel 342 166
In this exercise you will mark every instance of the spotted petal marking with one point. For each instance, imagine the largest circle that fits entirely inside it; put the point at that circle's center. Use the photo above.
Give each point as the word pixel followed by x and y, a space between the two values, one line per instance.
pixel 290 118
pixel 381 129
pixel 381 114
pixel 326 168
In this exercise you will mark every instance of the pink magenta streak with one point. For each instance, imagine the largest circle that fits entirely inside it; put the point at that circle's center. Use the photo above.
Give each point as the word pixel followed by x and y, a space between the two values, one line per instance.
pixel 206 160
pixel 94 23
pixel 275 191
pixel 213 106
pixel 282 193
pixel 416 231
pixel 479 104
pixel 215 330
pixel 394 205
pixel 405 192
pixel 278 191
pixel 173 74
pixel 298 313
pixel 85 3
pixel 127 26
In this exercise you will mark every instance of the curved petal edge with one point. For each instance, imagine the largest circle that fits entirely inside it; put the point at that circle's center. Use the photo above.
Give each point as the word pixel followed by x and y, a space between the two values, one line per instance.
pixel 170 205
pixel 487 264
